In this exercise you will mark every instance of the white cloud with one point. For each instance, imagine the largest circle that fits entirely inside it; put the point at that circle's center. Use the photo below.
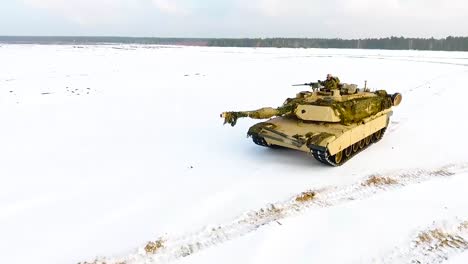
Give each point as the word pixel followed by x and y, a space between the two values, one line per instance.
pixel 363 18
pixel 171 7
pixel 369 8
pixel 91 12
pixel 86 12
pixel 288 9
pixel 263 18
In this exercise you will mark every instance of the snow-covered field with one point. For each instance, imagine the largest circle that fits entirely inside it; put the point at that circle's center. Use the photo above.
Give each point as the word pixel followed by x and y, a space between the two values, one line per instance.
pixel 105 148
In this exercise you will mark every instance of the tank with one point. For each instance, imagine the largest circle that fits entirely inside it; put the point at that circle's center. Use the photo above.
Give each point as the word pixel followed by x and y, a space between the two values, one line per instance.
pixel 332 125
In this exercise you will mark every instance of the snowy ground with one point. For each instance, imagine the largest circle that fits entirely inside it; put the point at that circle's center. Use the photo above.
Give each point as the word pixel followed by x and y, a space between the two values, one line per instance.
pixel 105 148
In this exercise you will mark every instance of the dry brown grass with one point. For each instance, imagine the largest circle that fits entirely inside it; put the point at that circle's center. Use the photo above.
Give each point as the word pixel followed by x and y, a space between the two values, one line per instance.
pixel 424 238
pixel 154 246
pixel 441 239
pixel 379 181
pixel 463 226
pixel 441 172
pixel 305 197
pixel 98 261
pixel 266 212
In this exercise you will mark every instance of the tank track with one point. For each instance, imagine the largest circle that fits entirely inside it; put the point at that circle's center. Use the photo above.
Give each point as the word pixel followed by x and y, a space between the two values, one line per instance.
pixel 320 153
pixel 323 156
pixel 259 141
pixel 262 142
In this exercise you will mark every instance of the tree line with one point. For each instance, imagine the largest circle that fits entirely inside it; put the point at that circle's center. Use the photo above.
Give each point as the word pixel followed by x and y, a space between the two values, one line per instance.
pixel 393 43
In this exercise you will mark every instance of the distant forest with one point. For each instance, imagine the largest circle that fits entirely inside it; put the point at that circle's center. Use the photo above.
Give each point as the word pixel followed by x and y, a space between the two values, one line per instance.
pixel 392 43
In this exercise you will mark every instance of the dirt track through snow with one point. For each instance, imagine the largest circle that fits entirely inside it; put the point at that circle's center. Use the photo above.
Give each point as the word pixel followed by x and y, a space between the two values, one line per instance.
pixel 433 245
pixel 168 248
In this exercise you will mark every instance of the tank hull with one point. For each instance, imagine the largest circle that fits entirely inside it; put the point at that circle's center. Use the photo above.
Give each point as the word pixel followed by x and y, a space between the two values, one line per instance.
pixel 330 143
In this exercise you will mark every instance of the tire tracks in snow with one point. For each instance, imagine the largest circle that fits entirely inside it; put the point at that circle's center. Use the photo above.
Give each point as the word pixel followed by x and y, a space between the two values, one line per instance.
pixel 168 248
pixel 433 245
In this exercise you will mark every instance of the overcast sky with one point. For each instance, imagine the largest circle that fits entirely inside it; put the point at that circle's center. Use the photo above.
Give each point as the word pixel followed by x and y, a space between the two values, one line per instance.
pixel 235 18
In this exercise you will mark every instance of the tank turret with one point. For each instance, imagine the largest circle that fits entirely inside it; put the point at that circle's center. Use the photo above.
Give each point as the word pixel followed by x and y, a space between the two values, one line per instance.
pixel 333 125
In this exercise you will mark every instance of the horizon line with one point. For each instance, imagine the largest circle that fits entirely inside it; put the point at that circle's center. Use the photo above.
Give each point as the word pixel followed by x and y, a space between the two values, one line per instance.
pixel 202 38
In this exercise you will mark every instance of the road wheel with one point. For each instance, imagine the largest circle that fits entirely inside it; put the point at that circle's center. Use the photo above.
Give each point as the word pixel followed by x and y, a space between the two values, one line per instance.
pixel 338 157
pixel 356 147
pixel 348 151
pixel 362 143
pixel 368 140
pixel 377 136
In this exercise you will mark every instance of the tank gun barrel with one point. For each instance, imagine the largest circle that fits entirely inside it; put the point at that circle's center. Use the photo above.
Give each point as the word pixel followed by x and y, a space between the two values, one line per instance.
pixel 262 113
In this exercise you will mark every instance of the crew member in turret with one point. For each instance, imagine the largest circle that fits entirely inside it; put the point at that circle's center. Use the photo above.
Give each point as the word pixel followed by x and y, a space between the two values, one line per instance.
pixel 331 83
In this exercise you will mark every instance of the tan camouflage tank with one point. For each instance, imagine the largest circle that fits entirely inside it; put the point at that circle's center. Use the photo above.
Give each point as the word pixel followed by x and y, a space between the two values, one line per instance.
pixel 331 125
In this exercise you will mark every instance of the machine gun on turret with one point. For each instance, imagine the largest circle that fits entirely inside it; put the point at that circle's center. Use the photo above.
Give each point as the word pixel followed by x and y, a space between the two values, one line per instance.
pixel 313 85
